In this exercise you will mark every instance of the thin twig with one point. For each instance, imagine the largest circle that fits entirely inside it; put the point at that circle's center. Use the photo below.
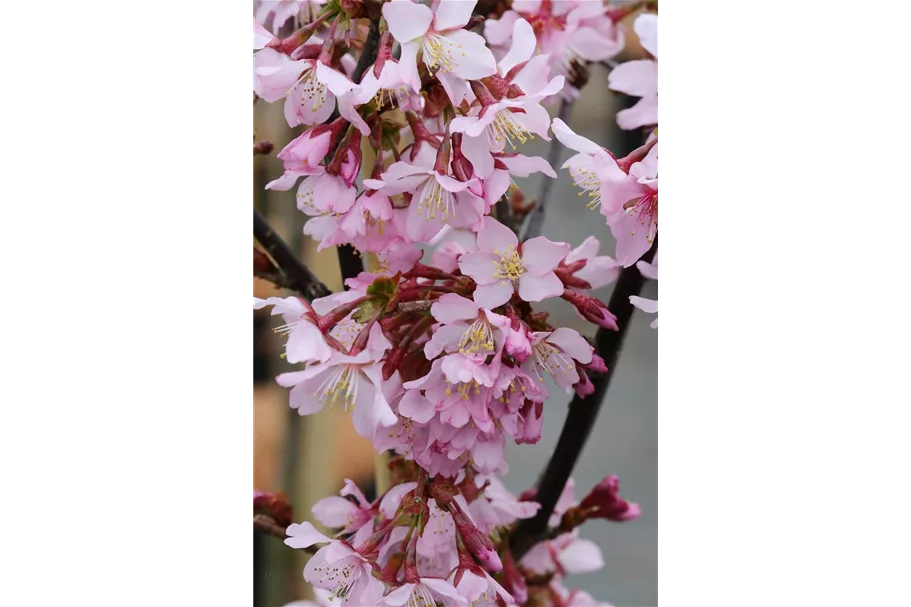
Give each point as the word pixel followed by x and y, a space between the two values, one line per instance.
pixel 296 275
pixel 535 220
pixel 414 306
pixel 582 413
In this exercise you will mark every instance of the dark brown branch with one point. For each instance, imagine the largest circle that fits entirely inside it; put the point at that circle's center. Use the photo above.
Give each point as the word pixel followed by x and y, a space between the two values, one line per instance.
pixel 535 220
pixel 294 274
pixel 582 412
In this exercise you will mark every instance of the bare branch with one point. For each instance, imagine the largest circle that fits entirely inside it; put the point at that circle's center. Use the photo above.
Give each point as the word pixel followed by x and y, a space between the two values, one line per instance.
pixel 289 271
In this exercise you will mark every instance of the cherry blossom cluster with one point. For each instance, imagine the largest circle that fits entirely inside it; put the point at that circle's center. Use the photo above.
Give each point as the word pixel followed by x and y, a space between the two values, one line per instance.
pixel 412 114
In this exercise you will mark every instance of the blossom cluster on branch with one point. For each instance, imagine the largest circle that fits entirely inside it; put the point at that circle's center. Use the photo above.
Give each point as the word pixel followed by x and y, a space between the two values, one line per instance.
pixel 413 114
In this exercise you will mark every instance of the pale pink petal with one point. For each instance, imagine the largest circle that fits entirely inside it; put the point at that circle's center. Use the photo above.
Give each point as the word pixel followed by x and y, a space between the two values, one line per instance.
pixel 477 151
pixel 416 407
pixel 495 186
pixel 334 511
pixel 573 141
pixel 491 296
pixel 540 255
pixel 449 184
pixel 335 81
pixel 495 237
pixel 581 556
pixel 445 338
pixel 527 7
pixel 523 46
pixel 306 344
pixel 471 210
pixel 390 502
pixel 646 26
pixel 646 305
pixel 649 270
pixel 451 307
pixel 538 559
pixel 346 108
pixel 535 119
pixel 591 45
pixel 533 76
pixel 452 14
pixel 647 168
pixel 599 271
pixel 572 343
pixel 477 60
pixel 456 88
pixel 366 414
pixel 286 181
pixel 634 233
pixel 498 31
pixel 523 166
pixel 538 288
pixel 551 88
pixel 644 113
pixel 487 456
pixel 586 250
pixel 638 78
pixel 442 587
pixel 354 491
pixel 408 63
pixel 304 535
pixel 472 586
pixel 261 36
pixel 407 20
pixel 400 595
pixel 478 266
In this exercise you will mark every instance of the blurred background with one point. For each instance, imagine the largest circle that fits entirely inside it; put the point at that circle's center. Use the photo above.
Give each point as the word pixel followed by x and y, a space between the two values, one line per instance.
pixel 309 457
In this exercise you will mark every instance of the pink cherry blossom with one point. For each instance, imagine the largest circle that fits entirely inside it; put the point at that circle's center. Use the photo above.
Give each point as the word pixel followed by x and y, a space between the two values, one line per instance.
pixel 466 328
pixel 305 341
pixel 350 517
pixel 555 354
pixel 566 554
pixel 352 381
pixel 635 223
pixel 649 306
pixel 448 51
pixel 437 198
pixel 639 77
pixel 336 567
pixel 599 270
pixel 501 268
pixel 596 171
pixel 275 74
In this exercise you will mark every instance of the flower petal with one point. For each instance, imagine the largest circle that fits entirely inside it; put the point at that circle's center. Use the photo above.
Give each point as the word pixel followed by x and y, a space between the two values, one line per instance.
pixel 540 255
pixel 334 511
pixel 451 14
pixel 451 307
pixel 573 141
pixel 494 236
pixel 538 288
pixel 572 343
pixel 407 20
pixel 477 60
pixel 479 266
pixel 491 296
pixel 646 305
pixel 304 535
pixel 523 46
